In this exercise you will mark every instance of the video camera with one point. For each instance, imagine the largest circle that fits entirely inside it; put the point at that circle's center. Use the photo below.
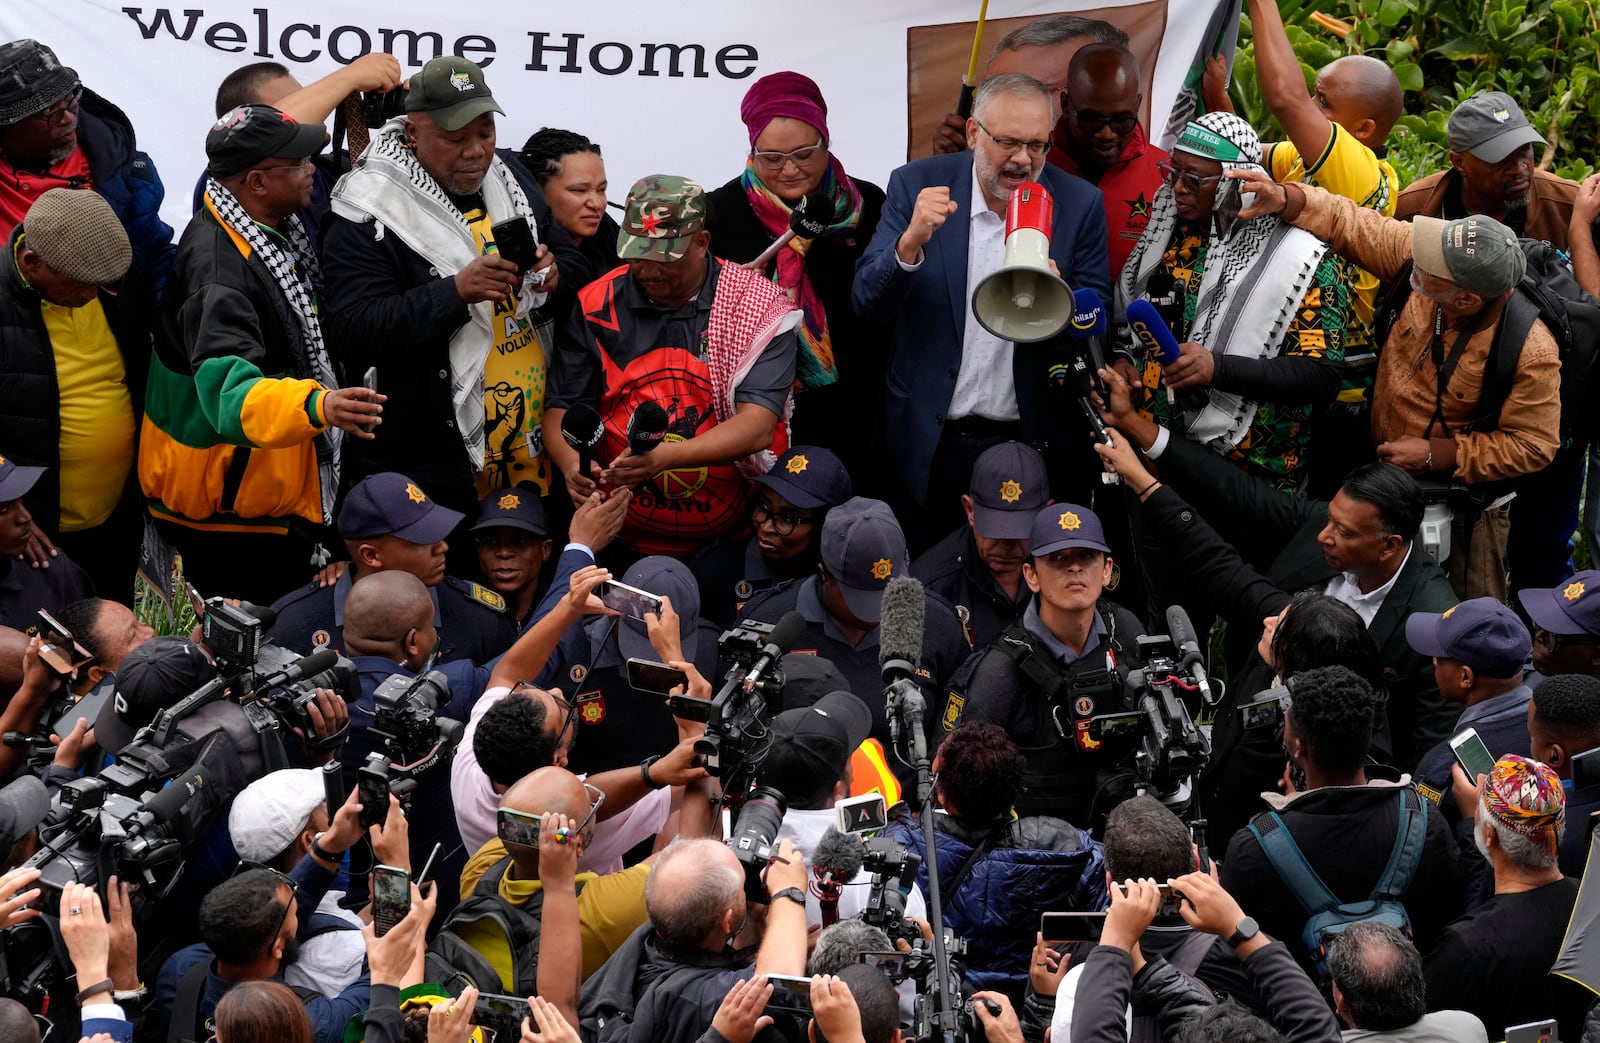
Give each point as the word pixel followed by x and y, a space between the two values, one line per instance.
pixel 412 737
pixel 894 871
pixel 754 838
pixel 736 736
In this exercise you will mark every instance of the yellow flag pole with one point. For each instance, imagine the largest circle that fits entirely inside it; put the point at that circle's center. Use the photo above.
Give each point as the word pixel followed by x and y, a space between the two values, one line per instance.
pixel 969 83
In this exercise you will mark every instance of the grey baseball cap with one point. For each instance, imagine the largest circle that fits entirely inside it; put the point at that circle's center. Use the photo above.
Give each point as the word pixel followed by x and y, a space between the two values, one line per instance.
pixel 1476 253
pixel 1491 126
pixel 863 548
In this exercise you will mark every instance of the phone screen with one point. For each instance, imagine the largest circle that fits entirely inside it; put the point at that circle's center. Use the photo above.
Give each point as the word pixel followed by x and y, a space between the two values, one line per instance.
pixel 374 797
pixel 1266 713
pixel 892 964
pixel 515 827
pixel 688 708
pixel 501 1014
pixel 1474 756
pixel 658 678
pixel 391 897
pixel 1072 927
pixel 630 601
pixel 864 814
pixel 789 992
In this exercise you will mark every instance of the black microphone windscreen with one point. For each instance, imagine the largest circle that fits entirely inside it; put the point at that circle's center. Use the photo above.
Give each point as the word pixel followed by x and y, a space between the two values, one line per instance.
pixel 900 632
pixel 1180 629
pixel 844 853
pixel 581 426
pixel 787 631
pixel 813 216
pixel 167 806
pixel 262 612
pixel 646 426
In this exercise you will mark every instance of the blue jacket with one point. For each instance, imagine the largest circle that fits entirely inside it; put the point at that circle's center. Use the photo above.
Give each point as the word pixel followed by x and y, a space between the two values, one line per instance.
pixel 929 306
pixel 1039 865
pixel 128 180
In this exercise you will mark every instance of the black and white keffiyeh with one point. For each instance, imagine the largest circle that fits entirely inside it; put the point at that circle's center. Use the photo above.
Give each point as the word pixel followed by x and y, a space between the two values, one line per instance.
pixel 1254 280
pixel 292 263
pixel 390 189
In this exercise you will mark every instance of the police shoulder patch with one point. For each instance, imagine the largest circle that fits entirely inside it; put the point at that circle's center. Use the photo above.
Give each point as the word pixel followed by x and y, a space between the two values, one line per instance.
pixel 953 706
pixel 484 596
pixel 591 707
pixel 1429 792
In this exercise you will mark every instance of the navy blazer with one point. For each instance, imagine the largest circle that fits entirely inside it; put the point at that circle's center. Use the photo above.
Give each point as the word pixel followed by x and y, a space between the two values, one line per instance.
pixel 929 306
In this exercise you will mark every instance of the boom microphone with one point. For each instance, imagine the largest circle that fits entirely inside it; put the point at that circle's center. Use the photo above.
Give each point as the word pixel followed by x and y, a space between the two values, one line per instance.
pixel 783 635
pixel 315 663
pixel 582 430
pixel 1181 630
pixel 900 629
pixel 808 220
pixel 835 861
pixel 647 427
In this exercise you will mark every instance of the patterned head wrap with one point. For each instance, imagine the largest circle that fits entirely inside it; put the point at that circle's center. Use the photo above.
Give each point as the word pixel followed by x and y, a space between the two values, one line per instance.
pixel 1224 137
pixel 1526 797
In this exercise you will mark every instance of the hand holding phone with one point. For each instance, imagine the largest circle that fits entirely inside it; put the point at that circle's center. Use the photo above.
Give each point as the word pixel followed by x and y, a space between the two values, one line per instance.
pixel 1473 754
pixel 391 897
pixel 630 601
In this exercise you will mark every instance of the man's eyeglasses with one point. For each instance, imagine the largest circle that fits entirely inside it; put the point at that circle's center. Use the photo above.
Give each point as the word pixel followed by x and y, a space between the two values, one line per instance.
pixel 1011 145
pixel 299 164
pixel 1171 175
pixel 774 161
pixel 784 522
pixel 1091 122
pixel 56 114
pixel 283 879
pixel 569 714
pixel 1556 642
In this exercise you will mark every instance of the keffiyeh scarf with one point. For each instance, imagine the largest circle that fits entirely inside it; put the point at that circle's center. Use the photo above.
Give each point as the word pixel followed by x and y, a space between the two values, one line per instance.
pixel 390 189
pixel 814 363
pixel 1254 279
pixel 292 264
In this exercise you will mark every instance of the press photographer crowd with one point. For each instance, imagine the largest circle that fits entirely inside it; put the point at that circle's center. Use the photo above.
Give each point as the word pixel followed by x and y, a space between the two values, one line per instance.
pixel 1081 592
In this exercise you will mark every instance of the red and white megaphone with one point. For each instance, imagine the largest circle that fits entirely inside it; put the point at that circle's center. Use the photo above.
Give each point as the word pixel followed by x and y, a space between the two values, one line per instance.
pixel 1025 301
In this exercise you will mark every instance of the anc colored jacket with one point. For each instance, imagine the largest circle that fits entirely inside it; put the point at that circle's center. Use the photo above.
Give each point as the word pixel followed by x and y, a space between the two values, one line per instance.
pixel 128 180
pixel 30 398
pixel 228 427
pixel 1035 865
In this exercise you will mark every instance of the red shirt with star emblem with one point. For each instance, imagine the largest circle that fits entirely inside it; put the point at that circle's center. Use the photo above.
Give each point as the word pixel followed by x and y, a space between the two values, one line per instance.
pixel 1129 188
pixel 19 188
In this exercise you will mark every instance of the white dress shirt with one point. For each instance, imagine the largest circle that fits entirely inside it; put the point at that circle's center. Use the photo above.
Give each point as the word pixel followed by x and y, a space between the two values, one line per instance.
pixel 1343 588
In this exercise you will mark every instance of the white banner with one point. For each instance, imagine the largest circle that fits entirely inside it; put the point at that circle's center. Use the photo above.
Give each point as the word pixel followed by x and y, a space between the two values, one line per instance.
pixel 656 85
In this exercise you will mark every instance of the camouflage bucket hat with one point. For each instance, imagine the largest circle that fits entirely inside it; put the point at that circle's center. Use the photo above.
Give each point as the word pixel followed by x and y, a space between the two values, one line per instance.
pixel 663 214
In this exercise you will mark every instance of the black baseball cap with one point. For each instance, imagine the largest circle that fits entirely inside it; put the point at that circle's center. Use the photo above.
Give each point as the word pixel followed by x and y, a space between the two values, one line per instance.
pixel 151 678
pixel 390 504
pixel 247 134
pixel 811 746
pixel 808 476
pixel 512 509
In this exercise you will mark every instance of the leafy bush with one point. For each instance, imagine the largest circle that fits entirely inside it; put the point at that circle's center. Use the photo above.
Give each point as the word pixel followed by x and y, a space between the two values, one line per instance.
pixel 1543 53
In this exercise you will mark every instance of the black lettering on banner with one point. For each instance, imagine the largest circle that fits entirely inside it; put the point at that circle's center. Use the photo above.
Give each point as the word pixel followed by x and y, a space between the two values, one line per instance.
pixel 346 43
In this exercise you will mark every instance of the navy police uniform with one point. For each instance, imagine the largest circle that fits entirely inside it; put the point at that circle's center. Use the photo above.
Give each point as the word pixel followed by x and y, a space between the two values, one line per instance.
pixel 24 590
pixel 472 620
pixel 952 569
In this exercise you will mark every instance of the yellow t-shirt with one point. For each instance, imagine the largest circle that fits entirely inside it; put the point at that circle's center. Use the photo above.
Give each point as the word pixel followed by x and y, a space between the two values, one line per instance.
pixel 1350 169
pixel 514 377
pixel 610 908
pixel 97 426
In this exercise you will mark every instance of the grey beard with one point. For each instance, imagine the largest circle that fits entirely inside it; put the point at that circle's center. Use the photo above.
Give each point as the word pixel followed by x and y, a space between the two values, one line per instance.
pixel 1520 203
pixel 63 152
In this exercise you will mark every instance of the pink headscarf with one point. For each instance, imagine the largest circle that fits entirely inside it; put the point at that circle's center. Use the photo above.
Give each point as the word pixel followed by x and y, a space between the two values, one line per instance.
pixel 789 94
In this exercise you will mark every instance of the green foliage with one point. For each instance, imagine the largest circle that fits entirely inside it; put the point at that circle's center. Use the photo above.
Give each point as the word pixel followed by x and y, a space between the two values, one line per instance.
pixel 1541 52
pixel 152 610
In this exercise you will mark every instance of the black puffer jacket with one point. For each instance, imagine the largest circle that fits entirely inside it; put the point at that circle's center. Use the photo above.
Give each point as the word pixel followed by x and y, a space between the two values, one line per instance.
pixel 30 400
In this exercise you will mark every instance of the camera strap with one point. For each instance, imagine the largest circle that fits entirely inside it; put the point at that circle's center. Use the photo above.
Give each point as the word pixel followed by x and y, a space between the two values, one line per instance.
pixel 948 888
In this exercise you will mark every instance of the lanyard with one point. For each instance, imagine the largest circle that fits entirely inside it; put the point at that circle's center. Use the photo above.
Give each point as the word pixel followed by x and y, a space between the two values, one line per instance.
pixel 1444 367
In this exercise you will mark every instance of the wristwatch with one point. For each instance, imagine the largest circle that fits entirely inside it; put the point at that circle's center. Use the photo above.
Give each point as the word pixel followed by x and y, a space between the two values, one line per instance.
pixel 793 893
pixel 644 771
pixel 318 851
pixel 1247 929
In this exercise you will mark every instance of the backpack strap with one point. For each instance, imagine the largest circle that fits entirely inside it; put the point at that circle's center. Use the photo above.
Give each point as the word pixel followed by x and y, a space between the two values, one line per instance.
pixel 1290 864
pixel 1523 307
pixel 186 1005
pixel 1389 306
pixel 1192 953
pixel 1411 834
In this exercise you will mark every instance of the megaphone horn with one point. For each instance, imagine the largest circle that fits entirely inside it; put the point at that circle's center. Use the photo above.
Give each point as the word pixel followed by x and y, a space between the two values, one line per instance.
pixel 1025 301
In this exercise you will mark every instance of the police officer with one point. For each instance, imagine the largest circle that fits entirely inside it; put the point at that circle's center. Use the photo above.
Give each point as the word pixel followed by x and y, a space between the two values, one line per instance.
pixel 978 567
pixel 388 522
pixel 24 590
pixel 1062 663
pixel 617 724
pixel 863 548
pixel 786 520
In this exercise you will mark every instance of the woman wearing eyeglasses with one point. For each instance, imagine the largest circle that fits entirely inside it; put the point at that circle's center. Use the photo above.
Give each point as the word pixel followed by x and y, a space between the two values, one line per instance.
pixel 841 361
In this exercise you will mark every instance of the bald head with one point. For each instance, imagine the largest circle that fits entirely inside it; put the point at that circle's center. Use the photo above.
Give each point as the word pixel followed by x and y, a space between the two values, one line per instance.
pixel 549 789
pixel 16 1023
pixel 695 893
pixel 383 607
pixel 1357 88
pixel 13 644
pixel 1102 106
pixel 1107 66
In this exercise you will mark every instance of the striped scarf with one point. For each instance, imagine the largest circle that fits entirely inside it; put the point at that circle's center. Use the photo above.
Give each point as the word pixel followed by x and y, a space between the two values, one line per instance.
pixel 292 264
pixel 814 364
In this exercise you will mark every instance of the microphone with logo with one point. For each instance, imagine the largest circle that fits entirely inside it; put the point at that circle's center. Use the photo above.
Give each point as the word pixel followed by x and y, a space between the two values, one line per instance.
pixel 1089 326
pixel 646 428
pixel 808 220
pixel 582 430
pixel 835 861
pixel 1152 331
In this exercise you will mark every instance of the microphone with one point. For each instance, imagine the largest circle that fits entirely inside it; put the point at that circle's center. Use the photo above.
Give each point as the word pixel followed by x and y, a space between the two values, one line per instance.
pixel 1089 325
pixel 1181 630
pixel 809 219
pixel 783 636
pixel 582 430
pixel 314 663
pixel 900 631
pixel 646 427
pixel 835 861
pixel 167 807
pixel 1153 333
